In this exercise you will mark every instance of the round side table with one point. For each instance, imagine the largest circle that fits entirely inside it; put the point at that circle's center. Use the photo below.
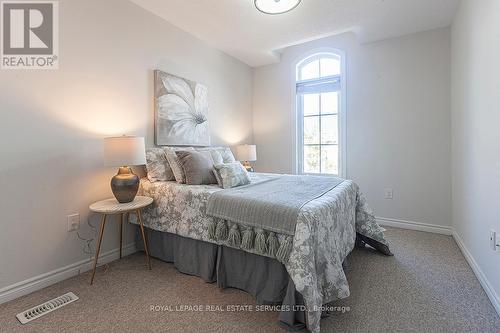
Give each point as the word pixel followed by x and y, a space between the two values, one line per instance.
pixel 113 207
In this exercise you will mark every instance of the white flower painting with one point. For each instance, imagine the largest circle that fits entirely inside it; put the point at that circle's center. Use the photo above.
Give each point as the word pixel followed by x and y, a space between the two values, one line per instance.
pixel 181 111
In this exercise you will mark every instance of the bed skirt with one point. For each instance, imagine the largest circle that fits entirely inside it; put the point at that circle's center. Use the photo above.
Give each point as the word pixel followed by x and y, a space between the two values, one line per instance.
pixel 264 278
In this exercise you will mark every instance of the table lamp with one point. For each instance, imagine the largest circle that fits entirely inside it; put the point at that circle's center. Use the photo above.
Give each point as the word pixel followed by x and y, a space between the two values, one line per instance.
pixel 124 151
pixel 246 154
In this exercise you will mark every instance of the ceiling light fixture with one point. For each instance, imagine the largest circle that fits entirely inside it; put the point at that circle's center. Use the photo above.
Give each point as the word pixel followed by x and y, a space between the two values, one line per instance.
pixel 276 6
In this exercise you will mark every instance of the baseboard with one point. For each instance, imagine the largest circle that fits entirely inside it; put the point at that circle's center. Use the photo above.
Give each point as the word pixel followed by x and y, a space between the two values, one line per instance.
pixel 419 226
pixel 44 280
pixel 485 283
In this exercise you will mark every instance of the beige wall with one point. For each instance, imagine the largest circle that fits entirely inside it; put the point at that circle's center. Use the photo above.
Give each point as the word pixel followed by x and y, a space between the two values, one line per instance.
pixel 53 123
pixel 398 120
pixel 476 135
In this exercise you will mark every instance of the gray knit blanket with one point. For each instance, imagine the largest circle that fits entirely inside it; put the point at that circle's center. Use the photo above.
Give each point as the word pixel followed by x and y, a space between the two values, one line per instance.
pixel 259 211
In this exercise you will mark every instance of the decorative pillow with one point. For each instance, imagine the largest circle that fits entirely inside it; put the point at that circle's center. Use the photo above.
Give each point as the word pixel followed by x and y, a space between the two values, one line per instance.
pixel 217 176
pixel 216 156
pixel 173 161
pixel 225 153
pixel 197 167
pixel 232 174
pixel 157 165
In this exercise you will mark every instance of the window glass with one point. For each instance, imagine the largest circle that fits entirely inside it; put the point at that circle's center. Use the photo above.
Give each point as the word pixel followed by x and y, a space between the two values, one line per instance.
pixel 309 71
pixel 311 130
pixel 311 159
pixel 330 103
pixel 329 130
pixel 329 159
pixel 311 104
pixel 330 66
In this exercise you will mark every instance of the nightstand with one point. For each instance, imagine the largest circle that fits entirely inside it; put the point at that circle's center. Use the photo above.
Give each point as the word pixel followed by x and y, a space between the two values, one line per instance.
pixel 113 207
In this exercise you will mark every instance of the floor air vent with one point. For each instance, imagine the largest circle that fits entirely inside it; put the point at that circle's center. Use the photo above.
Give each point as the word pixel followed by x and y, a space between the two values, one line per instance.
pixel 49 306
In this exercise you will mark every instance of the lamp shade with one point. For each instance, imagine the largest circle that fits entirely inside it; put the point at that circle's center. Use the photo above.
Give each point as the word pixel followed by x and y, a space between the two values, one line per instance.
pixel 246 153
pixel 124 151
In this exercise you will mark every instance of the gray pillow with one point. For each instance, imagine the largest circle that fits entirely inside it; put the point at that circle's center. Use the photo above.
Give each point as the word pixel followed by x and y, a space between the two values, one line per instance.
pixel 173 161
pixel 232 174
pixel 197 167
pixel 157 165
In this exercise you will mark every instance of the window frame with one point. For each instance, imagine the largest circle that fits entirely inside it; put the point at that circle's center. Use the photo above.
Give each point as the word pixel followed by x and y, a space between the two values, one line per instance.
pixel 299 116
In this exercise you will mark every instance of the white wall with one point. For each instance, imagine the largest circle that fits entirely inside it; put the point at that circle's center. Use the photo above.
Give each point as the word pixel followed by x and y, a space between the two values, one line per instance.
pixel 53 123
pixel 476 134
pixel 398 120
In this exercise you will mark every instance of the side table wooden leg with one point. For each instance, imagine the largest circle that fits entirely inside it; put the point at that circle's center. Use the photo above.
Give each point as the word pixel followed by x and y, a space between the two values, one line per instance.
pixel 121 234
pixel 98 248
pixel 141 224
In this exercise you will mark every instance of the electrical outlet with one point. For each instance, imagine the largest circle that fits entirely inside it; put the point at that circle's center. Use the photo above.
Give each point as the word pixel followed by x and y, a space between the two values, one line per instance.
pixel 493 242
pixel 73 222
pixel 389 193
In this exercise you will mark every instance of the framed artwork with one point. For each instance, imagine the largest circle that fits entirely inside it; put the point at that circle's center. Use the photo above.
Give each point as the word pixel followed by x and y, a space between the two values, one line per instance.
pixel 181 111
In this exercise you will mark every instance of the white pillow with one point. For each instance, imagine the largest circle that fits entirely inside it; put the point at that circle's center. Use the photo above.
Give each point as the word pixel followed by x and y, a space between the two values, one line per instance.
pixel 225 153
pixel 173 161
pixel 157 165
pixel 216 156
pixel 231 174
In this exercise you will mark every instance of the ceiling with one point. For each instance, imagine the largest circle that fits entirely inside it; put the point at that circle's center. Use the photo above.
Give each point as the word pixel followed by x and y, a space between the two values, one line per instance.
pixel 238 29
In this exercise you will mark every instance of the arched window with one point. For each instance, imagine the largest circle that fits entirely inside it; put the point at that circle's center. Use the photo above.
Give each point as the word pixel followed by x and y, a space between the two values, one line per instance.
pixel 320 103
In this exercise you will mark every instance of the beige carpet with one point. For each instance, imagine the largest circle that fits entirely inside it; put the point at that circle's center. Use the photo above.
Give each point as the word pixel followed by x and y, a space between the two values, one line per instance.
pixel 426 287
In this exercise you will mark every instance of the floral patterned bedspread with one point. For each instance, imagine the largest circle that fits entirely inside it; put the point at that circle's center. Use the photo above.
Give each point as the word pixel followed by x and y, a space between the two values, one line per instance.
pixel 325 233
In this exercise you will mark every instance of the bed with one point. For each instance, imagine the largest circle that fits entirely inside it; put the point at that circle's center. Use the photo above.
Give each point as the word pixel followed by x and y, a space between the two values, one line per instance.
pixel 326 231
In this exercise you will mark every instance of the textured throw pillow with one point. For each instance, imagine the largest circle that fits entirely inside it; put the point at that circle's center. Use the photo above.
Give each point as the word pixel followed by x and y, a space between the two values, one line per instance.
pixel 173 161
pixel 216 156
pixel 227 155
pixel 157 165
pixel 220 154
pixel 197 167
pixel 217 176
pixel 232 174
